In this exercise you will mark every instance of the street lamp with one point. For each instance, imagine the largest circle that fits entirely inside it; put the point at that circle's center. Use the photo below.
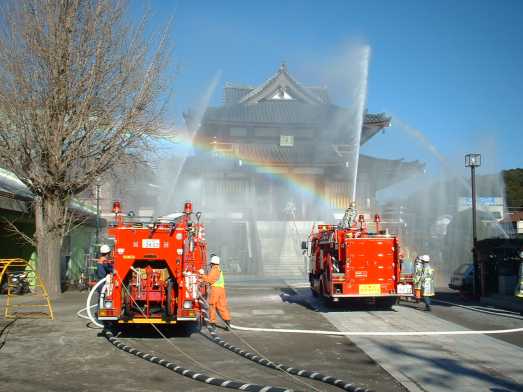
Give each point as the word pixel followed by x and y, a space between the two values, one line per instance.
pixel 97 212
pixel 473 161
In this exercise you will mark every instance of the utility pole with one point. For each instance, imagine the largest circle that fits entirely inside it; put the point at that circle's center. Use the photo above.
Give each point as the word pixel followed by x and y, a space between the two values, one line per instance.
pixel 473 161
pixel 97 213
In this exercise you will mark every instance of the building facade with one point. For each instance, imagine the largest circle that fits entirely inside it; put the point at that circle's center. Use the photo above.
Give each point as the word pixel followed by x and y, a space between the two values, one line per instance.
pixel 288 148
pixel 272 160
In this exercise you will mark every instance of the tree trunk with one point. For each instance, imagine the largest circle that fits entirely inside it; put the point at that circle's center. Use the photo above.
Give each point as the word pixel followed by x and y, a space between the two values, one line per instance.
pixel 50 219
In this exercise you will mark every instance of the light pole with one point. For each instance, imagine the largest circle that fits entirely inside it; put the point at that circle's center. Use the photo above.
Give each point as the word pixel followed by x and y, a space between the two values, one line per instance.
pixel 473 161
pixel 98 212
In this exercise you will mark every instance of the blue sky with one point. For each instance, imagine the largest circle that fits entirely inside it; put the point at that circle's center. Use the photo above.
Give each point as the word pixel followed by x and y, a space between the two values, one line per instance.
pixel 452 69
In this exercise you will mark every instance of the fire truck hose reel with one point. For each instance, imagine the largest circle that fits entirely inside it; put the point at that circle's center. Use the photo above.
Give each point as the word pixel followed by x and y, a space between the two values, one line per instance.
pixel 278 366
pixel 231 384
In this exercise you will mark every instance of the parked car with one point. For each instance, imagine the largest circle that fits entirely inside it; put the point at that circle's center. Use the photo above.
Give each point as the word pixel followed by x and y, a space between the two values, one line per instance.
pixel 462 278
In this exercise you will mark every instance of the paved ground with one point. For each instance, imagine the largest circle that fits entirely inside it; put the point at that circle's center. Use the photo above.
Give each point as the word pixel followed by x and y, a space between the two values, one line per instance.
pixel 66 355
pixel 437 363
pixel 479 317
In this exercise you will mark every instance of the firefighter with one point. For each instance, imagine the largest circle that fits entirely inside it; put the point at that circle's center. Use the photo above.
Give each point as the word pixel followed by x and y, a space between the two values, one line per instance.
pixel 427 281
pixel 418 270
pixel 519 287
pixel 217 297
pixel 104 264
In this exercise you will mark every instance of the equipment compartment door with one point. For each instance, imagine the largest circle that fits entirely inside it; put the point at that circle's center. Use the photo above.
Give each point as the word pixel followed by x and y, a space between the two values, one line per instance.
pixel 371 266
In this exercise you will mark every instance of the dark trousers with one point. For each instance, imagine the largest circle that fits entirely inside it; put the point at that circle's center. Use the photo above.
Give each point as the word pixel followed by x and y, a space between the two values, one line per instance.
pixel 427 302
pixel 101 272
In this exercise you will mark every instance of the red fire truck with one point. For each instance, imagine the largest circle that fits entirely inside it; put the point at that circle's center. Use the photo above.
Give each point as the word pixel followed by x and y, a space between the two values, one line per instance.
pixel 154 278
pixel 349 261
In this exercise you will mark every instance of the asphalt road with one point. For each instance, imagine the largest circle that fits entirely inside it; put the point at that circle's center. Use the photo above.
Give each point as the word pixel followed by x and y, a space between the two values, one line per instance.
pixel 479 317
pixel 434 363
pixel 67 355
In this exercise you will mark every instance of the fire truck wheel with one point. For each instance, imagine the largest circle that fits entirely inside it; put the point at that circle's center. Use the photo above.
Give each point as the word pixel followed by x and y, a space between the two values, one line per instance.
pixel 200 322
pixel 314 292
pixel 169 306
pixel 126 314
pixel 386 303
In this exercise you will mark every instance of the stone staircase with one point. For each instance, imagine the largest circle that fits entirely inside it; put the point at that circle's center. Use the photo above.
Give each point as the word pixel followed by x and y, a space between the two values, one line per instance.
pixel 280 247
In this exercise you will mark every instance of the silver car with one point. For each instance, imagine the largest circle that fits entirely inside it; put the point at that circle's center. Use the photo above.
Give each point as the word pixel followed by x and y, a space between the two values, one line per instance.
pixel 462 278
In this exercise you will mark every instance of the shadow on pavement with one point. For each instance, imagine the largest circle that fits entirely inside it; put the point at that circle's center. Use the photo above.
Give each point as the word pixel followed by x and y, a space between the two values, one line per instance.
pixel 303 297
pixel 445 372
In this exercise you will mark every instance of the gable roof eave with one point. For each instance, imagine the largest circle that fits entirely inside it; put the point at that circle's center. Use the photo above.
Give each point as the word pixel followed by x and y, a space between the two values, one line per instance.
pixel 282 77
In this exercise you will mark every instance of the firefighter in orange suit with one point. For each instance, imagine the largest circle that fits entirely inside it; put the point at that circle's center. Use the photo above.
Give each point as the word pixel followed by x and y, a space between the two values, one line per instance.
pixel 217 297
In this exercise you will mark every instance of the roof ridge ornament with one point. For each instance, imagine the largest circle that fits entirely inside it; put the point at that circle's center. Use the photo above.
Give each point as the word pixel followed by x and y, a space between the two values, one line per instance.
pixel 283 67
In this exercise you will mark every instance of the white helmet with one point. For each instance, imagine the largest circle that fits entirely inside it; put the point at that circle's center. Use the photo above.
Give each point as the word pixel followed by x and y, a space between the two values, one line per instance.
pixel 105 249
pixel 425 258
pixel 215 260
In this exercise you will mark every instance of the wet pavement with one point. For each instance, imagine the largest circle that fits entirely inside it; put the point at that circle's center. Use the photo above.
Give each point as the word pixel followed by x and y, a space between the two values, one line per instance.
pixel 67 355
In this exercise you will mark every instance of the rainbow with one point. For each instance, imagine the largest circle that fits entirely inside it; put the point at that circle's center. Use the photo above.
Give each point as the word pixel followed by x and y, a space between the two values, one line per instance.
pixel 297 183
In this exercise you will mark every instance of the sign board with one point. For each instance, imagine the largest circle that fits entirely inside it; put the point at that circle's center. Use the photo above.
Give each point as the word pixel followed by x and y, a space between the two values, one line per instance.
pixel 150 243
pixel 482 201
pixel 286 141
pixel 308 170
pixel 520 227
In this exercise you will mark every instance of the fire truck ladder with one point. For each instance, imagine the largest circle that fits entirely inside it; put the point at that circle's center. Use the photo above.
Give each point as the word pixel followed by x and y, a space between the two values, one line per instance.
pixel 35 304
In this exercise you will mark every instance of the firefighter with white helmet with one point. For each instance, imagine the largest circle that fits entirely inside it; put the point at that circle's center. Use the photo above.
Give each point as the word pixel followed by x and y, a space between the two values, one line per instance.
pixel 217 297
pixel 518 292
pixel 418 270
pixel 426 280
pixel 104 264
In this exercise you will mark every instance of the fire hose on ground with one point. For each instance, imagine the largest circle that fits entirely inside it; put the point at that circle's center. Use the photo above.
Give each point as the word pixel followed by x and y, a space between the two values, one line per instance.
pixel 278 366
pixel 198 376
pixel 294 371
pixel 325 332
pixel 231 384
pixel 369 334
pixel 263 361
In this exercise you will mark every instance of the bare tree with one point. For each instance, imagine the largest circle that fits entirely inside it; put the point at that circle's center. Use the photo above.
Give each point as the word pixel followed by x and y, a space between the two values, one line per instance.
pixel 81 84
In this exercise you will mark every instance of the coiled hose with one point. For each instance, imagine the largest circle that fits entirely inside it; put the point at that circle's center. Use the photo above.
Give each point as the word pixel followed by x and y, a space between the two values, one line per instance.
pixel 231 384
pixel 278 366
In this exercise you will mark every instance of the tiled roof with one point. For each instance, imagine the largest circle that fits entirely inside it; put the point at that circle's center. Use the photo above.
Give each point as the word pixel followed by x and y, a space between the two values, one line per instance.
pixel 282 79
pixel 248 94
pixel 274 112
pixel 321 92
pixel 384 172
pixel 304 154
pixel 233 94
pixel 285 113
pixel 274 154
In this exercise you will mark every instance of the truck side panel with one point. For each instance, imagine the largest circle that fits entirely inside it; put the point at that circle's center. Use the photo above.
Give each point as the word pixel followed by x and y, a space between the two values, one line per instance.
pixel 370 266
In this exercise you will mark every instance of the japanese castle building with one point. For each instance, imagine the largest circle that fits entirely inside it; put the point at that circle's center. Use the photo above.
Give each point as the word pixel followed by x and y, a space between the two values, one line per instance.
pixel 282 151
